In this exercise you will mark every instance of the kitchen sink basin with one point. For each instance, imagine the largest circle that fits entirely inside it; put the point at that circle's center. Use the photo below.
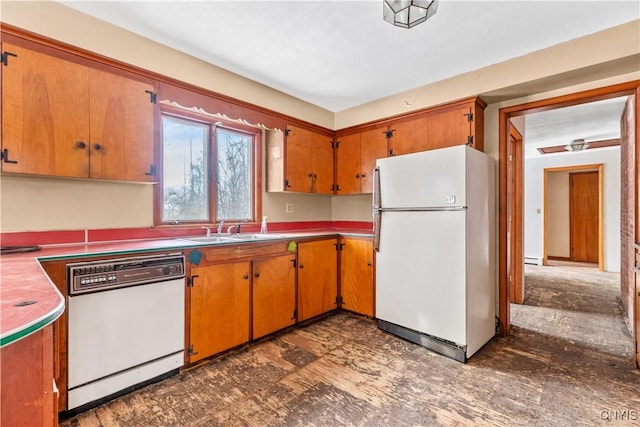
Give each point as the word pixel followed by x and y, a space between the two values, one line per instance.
pixel 233 238
pixel 257 236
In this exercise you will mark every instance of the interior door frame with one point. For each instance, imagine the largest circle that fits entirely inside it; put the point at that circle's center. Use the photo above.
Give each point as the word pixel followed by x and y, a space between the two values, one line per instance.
pixel 598 167
pixel 505 193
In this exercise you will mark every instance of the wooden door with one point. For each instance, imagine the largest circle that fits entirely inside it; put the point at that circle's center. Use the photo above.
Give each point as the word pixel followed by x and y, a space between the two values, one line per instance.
pixel 448 127
pixel 356 276
pixel 409 136
pixel 274 294
pixel 584 216
pixel 348 164
pixel 45 114
pixel 298 168
pixel 373 146
pixel 515 213
pixel 219 315
pixel 317 278
pixel 322 164
pixel 122 118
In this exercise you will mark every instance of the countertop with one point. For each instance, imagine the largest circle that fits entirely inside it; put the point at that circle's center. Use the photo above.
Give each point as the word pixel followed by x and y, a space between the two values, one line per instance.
pixel 29 300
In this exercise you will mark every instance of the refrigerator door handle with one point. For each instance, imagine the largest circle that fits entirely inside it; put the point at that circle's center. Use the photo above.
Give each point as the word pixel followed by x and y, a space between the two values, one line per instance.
pixel 376 188
pixel 377 217
pixel 377 223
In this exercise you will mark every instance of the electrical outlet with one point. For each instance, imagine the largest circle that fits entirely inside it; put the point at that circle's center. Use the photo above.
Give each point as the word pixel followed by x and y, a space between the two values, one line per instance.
pixel 288 208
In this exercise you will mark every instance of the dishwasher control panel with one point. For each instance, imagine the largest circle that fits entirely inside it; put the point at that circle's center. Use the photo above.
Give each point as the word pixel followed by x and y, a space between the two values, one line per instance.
pixel 84 277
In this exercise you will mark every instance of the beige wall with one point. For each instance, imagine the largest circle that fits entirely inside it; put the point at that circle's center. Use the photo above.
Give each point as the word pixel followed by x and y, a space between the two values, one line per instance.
pixel 550 72
pixel 558 214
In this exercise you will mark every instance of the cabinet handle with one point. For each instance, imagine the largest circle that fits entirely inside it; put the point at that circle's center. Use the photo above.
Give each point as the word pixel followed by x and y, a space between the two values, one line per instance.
pixel 362 175
pixel 5 156
pixel 370 264
pixel 301 265
pixel 357 175
pixel 81 144
pixel 257 275
pixel 245 277
pixel 98 147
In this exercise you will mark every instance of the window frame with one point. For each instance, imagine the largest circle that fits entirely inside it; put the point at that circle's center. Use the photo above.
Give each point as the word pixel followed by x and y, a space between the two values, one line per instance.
pixel 212 164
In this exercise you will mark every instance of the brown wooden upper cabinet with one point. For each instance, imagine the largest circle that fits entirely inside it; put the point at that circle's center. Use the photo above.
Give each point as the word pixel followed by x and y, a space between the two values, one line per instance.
pixel 457 123
pixel 356 156
pixel 66 119
pixel 299 160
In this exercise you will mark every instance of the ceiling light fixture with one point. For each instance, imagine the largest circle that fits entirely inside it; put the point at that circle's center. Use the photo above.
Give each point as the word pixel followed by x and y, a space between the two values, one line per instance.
pixel 408 13
pixel 577 145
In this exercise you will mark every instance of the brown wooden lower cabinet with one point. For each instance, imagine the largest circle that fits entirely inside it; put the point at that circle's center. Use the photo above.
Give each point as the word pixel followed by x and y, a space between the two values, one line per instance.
pixel 317 278
pixel 356 275
pixel 27 389
pixel 274 294
pixel 219 315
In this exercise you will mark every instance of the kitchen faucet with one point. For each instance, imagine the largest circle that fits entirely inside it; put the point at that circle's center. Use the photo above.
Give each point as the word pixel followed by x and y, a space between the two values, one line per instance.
pixel 236 226
pixel 208 230
pixel 220 224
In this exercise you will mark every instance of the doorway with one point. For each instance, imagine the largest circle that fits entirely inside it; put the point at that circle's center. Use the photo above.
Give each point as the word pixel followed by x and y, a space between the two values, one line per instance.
pixel 573 224
pixel 510 240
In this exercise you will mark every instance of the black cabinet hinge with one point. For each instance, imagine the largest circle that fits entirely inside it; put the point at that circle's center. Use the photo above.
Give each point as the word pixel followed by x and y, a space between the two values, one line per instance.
pixel 470 140
pixel 4 57
pixel 391 153
pixel 191 280
pixel 338 246
pixel 295 314
pixel 286 184
pixel 335 187
pixel 191 351
pixel 295 263
pixel 469 116
pixel 335 144
pixel 152 171
pixel 389 134
pixel 4 156
pixel 153 96
pixel 287 132
pixel 339 300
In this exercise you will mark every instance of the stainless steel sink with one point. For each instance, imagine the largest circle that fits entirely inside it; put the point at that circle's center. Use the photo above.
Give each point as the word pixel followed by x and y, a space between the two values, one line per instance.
pixel 257 236
pixel 233 238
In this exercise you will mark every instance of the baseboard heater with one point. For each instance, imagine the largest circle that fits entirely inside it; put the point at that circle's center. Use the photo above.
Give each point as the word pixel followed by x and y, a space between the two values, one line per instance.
pixel 533 260
pixel 446 348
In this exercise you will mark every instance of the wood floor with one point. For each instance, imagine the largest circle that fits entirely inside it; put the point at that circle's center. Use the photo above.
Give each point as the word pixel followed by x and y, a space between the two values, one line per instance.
pixel 568 362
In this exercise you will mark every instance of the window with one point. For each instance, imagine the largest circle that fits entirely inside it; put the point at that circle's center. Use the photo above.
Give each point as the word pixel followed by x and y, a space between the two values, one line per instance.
pixel 208 172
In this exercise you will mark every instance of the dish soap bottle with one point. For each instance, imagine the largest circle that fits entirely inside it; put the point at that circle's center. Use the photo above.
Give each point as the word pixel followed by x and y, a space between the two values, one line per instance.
pixel 263 226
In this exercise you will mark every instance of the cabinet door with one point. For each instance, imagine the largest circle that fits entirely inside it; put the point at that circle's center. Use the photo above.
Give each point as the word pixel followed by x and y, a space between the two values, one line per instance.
pixel 448 127
pixel 220 316
pixel 356 276
pixel 409 136
pixel 122 117
pixel 274 294
pixel 317 278
pixel 298 160
pixel 45 114
pixel 322 164
pixel 373 146
pixel 348 164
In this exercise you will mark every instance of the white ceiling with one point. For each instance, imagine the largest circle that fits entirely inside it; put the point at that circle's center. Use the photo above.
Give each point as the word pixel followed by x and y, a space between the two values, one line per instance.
pixel 341 54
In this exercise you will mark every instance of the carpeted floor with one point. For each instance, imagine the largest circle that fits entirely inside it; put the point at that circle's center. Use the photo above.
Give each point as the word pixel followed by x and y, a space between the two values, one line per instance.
pixel 568 362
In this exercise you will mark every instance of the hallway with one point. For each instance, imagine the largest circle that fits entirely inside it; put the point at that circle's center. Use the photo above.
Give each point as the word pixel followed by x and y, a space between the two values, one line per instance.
pixel 567 362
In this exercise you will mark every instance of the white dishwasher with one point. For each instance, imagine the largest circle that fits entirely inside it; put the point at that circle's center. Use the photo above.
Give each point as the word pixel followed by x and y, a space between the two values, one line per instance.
pixel 125 325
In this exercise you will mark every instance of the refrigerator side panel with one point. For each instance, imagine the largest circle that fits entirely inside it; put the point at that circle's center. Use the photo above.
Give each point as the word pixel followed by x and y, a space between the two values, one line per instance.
pixel 420 272
pixel 481 268
pixel 426 179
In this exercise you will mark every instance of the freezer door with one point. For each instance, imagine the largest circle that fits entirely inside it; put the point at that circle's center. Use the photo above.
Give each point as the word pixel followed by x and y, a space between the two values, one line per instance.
pixel 421 273
pixel 426 179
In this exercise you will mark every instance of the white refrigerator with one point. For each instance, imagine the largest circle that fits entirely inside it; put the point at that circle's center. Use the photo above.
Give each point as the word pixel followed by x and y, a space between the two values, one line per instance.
pixel 434 236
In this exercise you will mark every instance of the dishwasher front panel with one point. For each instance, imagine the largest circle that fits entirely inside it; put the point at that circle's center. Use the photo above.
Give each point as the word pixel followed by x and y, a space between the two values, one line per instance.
pixel 122 331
